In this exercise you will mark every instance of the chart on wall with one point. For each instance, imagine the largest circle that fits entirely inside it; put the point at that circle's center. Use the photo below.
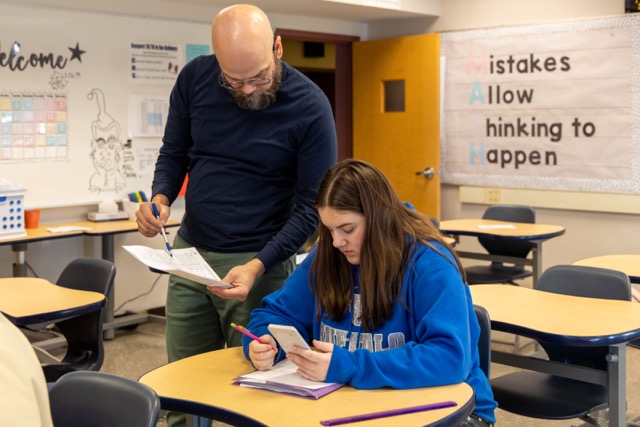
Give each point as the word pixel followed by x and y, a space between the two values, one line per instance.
pixel 82 111
pixel 553 106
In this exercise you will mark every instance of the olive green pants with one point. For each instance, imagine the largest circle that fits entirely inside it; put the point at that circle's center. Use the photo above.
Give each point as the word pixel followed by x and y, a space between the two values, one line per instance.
pixel 198 321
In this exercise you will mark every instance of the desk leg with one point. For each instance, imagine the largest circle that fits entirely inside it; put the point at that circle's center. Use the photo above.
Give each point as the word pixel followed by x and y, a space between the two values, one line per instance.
pixel 617 373
pixel 20 266
pixel 536 257
pixel 108 254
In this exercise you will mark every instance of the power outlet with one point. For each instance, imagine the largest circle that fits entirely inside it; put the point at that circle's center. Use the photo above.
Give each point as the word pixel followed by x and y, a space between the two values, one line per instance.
pixel 492 196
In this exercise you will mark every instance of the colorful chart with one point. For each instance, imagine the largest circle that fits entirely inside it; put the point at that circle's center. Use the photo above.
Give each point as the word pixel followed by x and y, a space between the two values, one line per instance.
pixel 33 127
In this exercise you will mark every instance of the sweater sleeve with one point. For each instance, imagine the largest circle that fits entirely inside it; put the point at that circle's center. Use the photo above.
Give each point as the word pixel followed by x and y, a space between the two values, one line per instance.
pixel 293 304
pixel 437 351
pixel 173 161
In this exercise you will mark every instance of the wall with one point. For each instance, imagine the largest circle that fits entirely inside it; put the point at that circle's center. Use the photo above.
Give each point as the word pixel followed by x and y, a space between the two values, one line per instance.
pixel 589 232
pixel 41 23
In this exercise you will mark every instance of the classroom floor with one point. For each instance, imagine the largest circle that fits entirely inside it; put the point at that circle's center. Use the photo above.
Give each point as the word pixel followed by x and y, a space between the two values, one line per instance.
pixel 134 352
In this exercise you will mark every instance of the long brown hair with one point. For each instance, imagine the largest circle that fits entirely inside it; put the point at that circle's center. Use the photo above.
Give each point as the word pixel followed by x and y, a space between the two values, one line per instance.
pixel 391 232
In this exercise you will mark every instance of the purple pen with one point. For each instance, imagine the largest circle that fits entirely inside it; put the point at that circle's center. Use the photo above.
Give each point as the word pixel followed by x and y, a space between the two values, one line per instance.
pixel 390 413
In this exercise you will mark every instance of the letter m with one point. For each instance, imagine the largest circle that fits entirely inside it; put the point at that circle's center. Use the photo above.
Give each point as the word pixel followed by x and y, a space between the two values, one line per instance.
pixel 476 64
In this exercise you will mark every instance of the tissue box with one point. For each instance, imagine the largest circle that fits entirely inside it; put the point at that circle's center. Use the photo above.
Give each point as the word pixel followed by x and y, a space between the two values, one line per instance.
pixel 11 210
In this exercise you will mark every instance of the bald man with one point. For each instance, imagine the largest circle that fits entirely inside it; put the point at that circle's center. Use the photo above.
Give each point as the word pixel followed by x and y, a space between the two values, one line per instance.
pixel 255 136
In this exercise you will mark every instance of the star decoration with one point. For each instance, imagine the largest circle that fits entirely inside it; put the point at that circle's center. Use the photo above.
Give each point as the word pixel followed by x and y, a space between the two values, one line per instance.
pixel 76 53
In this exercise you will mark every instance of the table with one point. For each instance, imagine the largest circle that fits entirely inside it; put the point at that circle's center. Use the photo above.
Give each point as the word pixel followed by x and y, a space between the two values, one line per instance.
pixel 506 230
pixel 567 320
pixel 106 230
pixel 27 301
pixel 202 385
pixel 628 264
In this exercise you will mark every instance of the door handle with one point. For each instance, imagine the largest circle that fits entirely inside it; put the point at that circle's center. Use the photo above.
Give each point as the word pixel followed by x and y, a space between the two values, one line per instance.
pixel 428 172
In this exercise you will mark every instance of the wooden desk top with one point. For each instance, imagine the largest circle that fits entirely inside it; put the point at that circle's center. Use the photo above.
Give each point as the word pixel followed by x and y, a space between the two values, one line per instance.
pixel 628 264
pixel 205 382
pixel 557 318
pixel 95 228
pixel 501 229
pixel 27 300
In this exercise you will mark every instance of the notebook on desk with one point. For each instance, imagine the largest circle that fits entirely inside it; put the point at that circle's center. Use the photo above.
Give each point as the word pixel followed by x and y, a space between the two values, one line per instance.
pixel 283 378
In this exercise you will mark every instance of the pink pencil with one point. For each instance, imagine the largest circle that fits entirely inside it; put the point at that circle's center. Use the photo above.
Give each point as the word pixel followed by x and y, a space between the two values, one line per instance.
pixel 246 332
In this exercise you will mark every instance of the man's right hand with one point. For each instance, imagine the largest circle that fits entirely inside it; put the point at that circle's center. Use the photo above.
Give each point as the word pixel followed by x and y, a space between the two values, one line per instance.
pixel 148 224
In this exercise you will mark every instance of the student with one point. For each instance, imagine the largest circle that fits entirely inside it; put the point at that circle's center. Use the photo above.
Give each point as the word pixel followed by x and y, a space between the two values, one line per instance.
pixel 383 297
pixel 256 136
pixel 24 399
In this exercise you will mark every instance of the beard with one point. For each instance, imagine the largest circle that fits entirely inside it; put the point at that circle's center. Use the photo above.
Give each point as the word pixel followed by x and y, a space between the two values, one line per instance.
pixel 259 99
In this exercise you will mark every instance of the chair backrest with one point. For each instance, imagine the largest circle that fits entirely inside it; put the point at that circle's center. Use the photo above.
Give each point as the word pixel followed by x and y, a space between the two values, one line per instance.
pixel 582 281
pixel 98 399
pixel 515 213
pixel 484 343
pixel 88 274
pixel 85 349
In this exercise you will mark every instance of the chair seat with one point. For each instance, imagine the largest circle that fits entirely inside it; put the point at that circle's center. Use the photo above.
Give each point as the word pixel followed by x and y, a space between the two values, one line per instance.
pixel 537 395
pixel 485 274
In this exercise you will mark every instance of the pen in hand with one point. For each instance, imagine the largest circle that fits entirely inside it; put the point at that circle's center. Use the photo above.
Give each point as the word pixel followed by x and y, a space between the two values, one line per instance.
pixel 164 234
pixel 246 332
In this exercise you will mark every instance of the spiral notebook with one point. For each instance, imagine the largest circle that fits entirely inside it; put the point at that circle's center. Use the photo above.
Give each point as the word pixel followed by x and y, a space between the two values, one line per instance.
pixel 283 378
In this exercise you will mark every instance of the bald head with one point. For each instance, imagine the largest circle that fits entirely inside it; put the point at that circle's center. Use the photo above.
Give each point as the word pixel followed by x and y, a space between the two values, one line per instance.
pixel 242 39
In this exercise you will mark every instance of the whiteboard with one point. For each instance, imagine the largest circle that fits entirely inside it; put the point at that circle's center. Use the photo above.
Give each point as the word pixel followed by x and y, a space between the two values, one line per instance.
pixel 83 101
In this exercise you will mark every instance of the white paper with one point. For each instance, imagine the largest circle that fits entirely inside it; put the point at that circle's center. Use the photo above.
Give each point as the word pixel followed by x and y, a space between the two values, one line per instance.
pixel 187 263
pixel 67 228
pixel 285 372
pixel 496 226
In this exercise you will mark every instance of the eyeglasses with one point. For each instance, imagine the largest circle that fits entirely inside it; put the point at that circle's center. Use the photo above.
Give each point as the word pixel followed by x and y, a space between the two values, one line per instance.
pixel 239 84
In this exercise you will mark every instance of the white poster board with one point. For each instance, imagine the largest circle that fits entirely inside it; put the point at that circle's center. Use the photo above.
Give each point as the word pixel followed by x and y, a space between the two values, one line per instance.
pixel 552 106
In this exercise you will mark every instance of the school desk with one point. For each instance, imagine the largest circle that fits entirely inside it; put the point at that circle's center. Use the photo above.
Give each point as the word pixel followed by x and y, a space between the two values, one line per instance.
pixel 202 386
pixel 628 264
pixel 566 320
pixel 504 230
pixel 106 230
pixel 28 301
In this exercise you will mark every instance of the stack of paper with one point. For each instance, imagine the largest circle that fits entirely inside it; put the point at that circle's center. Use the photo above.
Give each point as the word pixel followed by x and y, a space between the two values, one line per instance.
pixel 187 263
pixel 284 378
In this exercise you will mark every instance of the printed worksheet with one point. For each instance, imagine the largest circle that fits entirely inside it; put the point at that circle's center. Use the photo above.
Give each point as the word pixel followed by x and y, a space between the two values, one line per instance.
pixel 187 263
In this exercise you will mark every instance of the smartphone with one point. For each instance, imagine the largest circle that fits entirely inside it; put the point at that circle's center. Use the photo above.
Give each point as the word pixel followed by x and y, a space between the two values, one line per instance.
pixel 288 337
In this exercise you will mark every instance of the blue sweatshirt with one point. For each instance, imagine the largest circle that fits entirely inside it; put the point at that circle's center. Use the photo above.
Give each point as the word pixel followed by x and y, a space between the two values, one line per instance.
pixel 253 175
pixel 431 340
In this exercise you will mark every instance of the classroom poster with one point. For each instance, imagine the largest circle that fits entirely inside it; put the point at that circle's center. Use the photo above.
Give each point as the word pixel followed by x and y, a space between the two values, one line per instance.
pixel 549 106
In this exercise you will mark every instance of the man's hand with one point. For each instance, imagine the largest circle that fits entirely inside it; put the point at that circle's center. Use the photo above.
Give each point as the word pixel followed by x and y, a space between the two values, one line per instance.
pixel 148 224
pixel 241 277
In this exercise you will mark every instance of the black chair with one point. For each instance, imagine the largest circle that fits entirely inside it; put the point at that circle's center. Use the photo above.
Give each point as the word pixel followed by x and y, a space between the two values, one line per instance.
pixel 501 272
pixel 484 343
pixel 97 399
pixel 544 396
pixel 85 350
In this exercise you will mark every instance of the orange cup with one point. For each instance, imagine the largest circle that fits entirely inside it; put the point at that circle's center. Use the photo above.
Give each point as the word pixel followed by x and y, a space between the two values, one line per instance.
pixel 32 218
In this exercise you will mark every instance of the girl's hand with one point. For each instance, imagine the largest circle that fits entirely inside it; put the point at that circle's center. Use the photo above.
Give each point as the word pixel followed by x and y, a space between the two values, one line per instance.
pixel 313 365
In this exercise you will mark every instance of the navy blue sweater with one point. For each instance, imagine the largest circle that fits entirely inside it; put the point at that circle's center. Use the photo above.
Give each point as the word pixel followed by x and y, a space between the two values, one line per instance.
pixel 253 175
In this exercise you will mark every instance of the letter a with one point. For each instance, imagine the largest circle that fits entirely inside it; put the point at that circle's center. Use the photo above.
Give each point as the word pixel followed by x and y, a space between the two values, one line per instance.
pixel 476 94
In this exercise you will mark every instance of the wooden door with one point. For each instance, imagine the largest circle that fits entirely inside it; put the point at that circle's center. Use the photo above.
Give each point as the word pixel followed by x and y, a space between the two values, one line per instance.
pixel 401 143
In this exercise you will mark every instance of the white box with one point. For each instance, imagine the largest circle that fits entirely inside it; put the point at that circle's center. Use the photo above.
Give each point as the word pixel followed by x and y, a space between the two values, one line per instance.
pixel 11 210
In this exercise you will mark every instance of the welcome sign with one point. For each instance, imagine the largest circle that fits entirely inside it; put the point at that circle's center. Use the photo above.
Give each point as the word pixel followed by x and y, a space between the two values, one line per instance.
pixel 550 107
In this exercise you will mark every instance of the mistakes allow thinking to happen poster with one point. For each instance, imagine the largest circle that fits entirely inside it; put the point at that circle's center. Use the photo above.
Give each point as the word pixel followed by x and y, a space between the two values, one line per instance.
pixel 547 106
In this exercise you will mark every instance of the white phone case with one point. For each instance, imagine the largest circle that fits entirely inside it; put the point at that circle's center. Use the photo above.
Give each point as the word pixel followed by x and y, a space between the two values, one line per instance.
pixel 288 337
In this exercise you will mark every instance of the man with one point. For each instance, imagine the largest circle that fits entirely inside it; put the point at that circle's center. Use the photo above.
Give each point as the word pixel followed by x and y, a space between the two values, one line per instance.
pixel 255 136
